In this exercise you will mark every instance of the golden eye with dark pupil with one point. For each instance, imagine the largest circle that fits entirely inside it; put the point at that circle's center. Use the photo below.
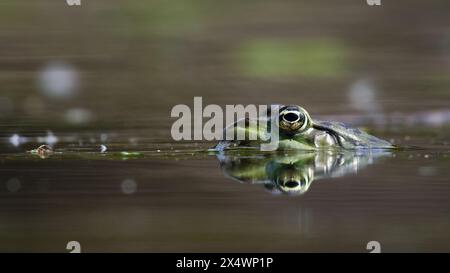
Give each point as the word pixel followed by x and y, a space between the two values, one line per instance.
pixel 291 120
pixel 291 117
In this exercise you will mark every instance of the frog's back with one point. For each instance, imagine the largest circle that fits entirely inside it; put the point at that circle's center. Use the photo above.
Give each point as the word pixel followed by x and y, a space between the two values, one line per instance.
pixel 353 138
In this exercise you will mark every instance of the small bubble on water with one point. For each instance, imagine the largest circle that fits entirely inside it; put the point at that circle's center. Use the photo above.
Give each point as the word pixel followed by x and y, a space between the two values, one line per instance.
pixel 427 171
pixel 426 156
pixel 158 151
pixel 103 148
pixel 128 186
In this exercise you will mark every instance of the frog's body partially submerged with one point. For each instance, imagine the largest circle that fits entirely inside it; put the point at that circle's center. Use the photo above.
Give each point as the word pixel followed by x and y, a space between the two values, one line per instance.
pixel 297 131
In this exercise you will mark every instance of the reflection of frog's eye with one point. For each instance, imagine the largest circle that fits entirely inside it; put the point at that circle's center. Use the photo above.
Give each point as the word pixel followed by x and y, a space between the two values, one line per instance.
pixel 291 184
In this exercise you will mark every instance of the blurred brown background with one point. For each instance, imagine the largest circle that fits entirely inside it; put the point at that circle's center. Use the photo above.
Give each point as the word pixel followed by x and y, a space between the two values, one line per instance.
pixel 126 63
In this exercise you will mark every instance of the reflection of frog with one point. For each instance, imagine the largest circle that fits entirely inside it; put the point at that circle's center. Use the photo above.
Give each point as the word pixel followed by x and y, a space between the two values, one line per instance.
pixel 294 173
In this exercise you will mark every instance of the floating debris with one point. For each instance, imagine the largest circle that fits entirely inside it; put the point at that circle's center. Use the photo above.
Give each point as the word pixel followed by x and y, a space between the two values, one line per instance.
pixel 43 151
pixel 103 148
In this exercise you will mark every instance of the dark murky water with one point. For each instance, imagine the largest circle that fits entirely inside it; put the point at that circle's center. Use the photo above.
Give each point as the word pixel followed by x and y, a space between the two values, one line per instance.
pixel 184 202
pixel 108 73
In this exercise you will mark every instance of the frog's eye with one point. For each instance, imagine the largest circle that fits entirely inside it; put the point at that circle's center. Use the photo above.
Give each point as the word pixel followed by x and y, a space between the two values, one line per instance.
pixel 291 184
pixel 291 120
pixel 292 116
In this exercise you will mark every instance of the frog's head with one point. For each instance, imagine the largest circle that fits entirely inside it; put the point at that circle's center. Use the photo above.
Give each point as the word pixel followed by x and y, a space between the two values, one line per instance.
pixel 293 119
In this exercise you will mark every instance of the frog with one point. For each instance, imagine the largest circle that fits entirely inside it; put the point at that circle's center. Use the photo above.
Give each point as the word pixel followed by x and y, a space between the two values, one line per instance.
pixel 298 131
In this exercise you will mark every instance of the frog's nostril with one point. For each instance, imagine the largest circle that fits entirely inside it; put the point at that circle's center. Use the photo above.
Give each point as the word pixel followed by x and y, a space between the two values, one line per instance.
pixel 291 117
